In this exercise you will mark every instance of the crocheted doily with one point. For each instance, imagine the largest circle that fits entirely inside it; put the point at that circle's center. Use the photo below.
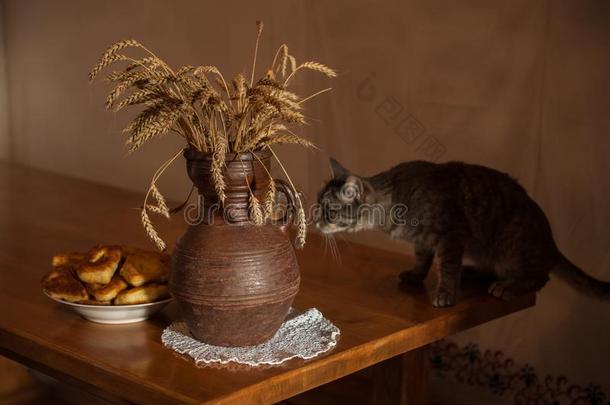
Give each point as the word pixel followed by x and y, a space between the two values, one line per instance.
pixel 302 335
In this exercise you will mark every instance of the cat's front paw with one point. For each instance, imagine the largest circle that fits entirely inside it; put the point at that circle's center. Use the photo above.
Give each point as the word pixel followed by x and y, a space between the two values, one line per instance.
pixel 411 277
pixel 502 290
pixel 444 298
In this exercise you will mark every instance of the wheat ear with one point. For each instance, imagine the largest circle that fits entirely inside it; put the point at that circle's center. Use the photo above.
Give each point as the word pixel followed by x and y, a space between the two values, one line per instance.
pixel 137 97
pixel 269 199
pixel 150 230
pixel 156 210
pixel 254 207
pixel 300 221
pixel 285 139
pixel 256 213
pixel 282 52
pixel 105 62
pixel 213 69
pixel 318 67
pixel 160 200
pixel 301 224
pixel 259 30
pixel 218 162
pixel 117 46
pixel 145 219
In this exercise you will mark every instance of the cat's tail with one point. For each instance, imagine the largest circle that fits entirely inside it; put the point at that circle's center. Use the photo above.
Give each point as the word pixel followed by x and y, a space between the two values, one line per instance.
pixel 581 281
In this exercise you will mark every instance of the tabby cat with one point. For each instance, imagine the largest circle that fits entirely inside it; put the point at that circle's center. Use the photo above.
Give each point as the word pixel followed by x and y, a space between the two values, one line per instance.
pixel 454 211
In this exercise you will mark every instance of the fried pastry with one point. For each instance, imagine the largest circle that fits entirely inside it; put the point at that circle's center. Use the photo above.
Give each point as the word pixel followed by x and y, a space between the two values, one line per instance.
pixel 55 273
pixel 71 259
pixel 109 291
pixel 142 295
pixel 100 265
pixel 141 267
pixel 61 283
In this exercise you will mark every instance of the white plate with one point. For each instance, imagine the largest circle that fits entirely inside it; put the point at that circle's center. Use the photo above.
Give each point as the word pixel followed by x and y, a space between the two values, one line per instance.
pixel 116 314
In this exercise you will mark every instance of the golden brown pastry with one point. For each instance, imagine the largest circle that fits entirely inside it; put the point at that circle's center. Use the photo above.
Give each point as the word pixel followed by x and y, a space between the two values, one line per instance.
pixel 100 265
pixel 142 295
pixel 71 259
pixel 109 291
pixel 103 276
pixel 61 283
pixel 141 267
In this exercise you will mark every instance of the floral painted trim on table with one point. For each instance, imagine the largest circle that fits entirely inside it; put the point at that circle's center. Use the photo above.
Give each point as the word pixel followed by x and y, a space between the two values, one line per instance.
pixel 502 376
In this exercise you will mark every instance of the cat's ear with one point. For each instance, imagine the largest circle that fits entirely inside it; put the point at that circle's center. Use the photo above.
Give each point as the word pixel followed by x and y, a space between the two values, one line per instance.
pixel 352 190
pixel 337 169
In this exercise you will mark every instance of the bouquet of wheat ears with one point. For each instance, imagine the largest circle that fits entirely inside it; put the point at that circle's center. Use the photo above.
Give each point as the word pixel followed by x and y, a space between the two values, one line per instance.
pixel 213 116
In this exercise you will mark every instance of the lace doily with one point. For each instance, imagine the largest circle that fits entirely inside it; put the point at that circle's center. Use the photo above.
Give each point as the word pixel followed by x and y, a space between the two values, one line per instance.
pixel 302 335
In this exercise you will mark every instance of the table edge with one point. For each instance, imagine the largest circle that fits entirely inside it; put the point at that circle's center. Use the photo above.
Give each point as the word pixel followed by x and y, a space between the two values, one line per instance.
pixel 385 347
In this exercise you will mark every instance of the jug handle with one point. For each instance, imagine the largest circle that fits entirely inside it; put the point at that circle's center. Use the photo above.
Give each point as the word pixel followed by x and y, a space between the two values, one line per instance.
pixel 288 219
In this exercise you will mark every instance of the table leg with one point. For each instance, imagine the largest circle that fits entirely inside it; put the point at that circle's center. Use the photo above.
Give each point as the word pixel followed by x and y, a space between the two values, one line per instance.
pixel 402 379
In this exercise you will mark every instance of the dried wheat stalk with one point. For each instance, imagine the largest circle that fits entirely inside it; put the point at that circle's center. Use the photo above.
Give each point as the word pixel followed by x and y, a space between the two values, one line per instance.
pixel 150 230
pixel 301 224
pixel 256 212
pixel 218 162
pixel 160 200
pixel 269 199
pixel 197 103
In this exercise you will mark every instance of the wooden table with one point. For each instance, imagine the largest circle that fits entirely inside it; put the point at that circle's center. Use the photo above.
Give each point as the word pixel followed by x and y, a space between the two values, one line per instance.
pixel 381 324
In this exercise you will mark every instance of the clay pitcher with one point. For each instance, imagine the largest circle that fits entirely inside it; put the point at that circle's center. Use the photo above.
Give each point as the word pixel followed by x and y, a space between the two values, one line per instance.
pixel 233 281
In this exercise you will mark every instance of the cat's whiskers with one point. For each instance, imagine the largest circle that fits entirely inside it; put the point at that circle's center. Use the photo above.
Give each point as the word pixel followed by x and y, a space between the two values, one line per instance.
pixel 325 243
pixel 332 251
pixel 336 254
pixel 329 245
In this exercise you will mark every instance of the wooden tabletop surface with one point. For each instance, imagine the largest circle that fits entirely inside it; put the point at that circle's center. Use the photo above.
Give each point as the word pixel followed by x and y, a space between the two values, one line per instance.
pixel 42 213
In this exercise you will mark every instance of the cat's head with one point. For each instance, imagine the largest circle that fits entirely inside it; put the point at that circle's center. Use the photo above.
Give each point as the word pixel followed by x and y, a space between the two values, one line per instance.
pixel 341 200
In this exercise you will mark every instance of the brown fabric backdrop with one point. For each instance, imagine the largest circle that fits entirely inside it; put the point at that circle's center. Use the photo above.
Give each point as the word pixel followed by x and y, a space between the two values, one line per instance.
pixel 521 86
